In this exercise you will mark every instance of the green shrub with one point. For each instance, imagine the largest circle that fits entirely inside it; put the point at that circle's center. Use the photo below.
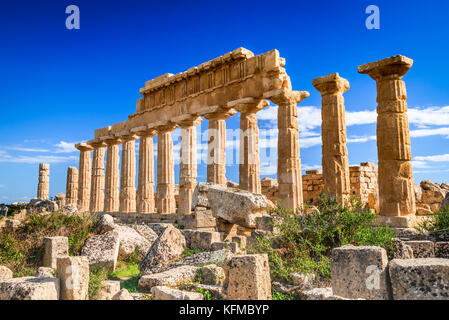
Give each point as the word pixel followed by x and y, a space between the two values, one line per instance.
pixel 438 222
pixel 96 277
pixel 190 252
pixel 206 293
pixel 304 242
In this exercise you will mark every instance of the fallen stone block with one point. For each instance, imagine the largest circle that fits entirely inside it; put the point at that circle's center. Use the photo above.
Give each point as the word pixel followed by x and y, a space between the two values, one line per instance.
pixel 146 232
pixel 12 224
pixel 165 293
pixel 132 241
pixel 123 295
pixel 303 280
pixel 442 250
pixel 420 279
pixel 5 273
pixel 248 277
pixel 422 249
pixel 104 224
pixel 29 288
pixel 170 277
pixel 204 258
pixel 44 272
pixel 54 248
pixel 74 275
pixel 203 240
pixel 108 289
pixel 159 228
pixel 226 245
pixel 401 250
pixel 360 272
pixel 212 275
pixel 322 294
pixel 102 250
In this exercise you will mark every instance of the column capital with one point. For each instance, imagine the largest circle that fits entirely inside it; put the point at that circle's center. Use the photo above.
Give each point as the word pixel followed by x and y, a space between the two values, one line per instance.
pixel 111 140
pixel 218 113
pixel 83 147
pixel 126 136
pixel 97 143
pixel 331 84
pixel 248 105
pixel 188 120
pixel 144 131
pixel 390 68
pixel 286 96
pixel 164 126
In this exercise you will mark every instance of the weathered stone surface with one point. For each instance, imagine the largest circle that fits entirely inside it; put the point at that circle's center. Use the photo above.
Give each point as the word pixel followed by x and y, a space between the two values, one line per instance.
pixel 44 272
pixel 29 288
pixel 102 250
pixel 401 250
pixel 166 293
pixel 128 174
pixel 146 232
pixel 123 295
pixel 159 228
pixel 70 209
pixel 169 277
pixel 145 192
pixel 226 245
pixel 54 248
pixel 108 289
pixel 204 258
pixel 212 275
pixel 5 273
pixel 84 177
pixel 112 179
pixel 104 224
pixel 420 279
pixel 303 280
pixel 43 188
pixel 72 186
pixel 203 240
pixel 98 178
pixel 248 277
pixel 360 272
pixel 418 193
pixel 422 249
pixel 130 241
pixel 235 206
pixel 165 201
pixel 442 250
pixel 42 206
pixel 165 250
pixel 73 273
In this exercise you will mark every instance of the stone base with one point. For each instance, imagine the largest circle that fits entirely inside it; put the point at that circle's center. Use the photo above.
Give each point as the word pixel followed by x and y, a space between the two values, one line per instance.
pixel 399 222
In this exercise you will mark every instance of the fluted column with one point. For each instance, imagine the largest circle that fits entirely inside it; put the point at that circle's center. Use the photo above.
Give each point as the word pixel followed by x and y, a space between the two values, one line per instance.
pixel 43 187
pixel 112 176
pixel 395 174
pixel 97 181
pixel 165 202
pixel 71 192
pixel 216 156
pixel 333 132
pixel 289 162
pixel 188 164
pixel 249 163
pixel 128 174
pixel 145 191
pixel 84 177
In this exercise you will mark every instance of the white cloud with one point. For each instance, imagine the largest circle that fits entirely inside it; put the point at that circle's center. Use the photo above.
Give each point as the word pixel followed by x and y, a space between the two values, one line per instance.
pixel 6 157
pixel 65 147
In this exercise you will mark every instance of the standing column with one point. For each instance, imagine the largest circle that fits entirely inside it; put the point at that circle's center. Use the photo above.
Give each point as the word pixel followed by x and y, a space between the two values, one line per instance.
pixel 216 156
pixel 43 187
pixel 128 174
pixel 97 182
pixel 165 202
pixel 289 162
pixel 249 164
pixel 188 164
pixel 84 176
pixel 112 178
pixel 396 186
pixel 145 191
pixel 71 192
pixel 333 132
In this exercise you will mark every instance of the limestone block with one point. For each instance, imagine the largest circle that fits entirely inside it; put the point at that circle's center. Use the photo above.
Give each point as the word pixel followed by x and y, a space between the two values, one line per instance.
pixel 73 273
pixel 442 250
pixel 5 273
pixel 108 289
pixel 204 258
pixel 203 240
pixel 54 248
pixel 44 272
pixel 226 245
pixel 422 249
pixel 360 272
pixel 248 277
pixel 165 250
pixel 102 250
pixel 131 241
pixel 29 288
pixel 212 275
pixel 104 224
pixel 165 293
pixel 401 250
pixel 123 295
pixel 146 232
pixel 171 277
pixel 303 280
pixel 420 279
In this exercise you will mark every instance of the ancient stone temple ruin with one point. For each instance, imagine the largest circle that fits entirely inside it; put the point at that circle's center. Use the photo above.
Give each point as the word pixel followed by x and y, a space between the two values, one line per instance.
pixel 216 90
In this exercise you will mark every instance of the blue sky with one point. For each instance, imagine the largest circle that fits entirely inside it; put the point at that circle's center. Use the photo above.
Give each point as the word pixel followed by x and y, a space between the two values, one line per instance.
pixel 58 85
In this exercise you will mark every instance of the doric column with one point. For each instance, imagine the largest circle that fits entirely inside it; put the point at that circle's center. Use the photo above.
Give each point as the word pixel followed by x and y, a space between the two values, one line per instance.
pixel 145 191
pixel 216 156
pixel 165 202
pixel 128 173
pixel 84 176
pixel 249 163
pixel 43 187
pixel 112 176
pixel 289 162
pixel 187 163
pixel 97 181
pixel 333 132
pixel 396 186
pixel 71 192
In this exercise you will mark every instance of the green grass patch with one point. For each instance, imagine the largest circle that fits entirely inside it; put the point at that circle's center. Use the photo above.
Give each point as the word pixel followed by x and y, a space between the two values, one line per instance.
pixel 190 252
pixel 438 222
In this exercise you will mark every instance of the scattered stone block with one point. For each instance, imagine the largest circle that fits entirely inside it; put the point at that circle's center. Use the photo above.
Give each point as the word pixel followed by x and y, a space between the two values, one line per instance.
pixel 131 241
pixel 204 258
pixel 29 288
pixel 422 249
pixel 212 275
pixel 248 277
pixel 74 275
pixel 104 224
pixel 108 289
pixel 401 250
pixel 420 279
pixel 44 272
pixel 12 224
pixel 170 277
pixel 165 250
pixel 165 293
pixel 303 280
pixel 102 250
pixel 5 273
pixel 203 240
pixel 54 248
pixel 225 245
pixel 360 272
pixel 146 232
pixel 442 250
pixel 159 228
pixel 123 295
